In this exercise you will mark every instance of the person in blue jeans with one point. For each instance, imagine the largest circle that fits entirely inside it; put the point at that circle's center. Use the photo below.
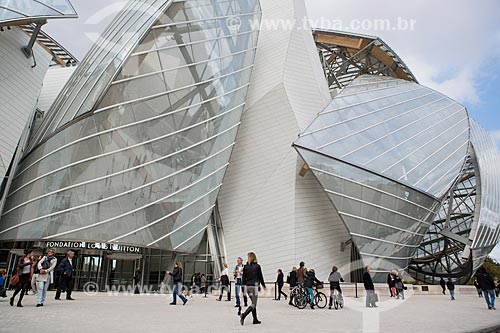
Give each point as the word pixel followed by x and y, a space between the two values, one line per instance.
pixel 451 287
pixel 487 285
pixel 176 275
pixel 238 276
pixel 45 277
pixel 309 283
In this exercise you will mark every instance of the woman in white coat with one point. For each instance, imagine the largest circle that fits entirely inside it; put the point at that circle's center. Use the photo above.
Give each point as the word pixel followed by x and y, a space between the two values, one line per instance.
pixel 45 277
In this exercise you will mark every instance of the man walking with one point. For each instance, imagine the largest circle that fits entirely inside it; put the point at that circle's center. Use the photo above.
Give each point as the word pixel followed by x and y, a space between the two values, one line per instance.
pixel 451 287
pixel 45 276
pixel 442 282
pixel 67 272
pixel 487 285
pixel 238 275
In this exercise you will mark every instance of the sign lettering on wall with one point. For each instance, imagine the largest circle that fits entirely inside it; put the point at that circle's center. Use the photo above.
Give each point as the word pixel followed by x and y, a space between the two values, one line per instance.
pixel 94 246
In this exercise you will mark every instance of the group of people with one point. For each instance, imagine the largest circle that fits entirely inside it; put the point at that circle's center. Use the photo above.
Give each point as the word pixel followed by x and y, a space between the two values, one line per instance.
pixel 248 280
pixel 38 274
pixel 396 285
pixel 306 279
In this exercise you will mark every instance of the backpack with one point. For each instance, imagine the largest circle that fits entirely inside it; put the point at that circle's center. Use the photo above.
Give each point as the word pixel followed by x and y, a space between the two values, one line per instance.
pixel 46 263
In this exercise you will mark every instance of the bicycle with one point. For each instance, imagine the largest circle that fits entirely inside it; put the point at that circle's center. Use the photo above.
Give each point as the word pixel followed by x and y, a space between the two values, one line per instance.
pixel 320 299
pixel 300 297
pixel 338 300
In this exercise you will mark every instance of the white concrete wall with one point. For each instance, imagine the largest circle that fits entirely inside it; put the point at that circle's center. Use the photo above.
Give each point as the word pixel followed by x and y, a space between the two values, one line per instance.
pixel 19 89
pixel 264 204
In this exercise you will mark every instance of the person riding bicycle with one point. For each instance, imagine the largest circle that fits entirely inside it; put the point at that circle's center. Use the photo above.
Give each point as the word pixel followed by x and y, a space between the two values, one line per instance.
pixel 309 284
pixel 335 278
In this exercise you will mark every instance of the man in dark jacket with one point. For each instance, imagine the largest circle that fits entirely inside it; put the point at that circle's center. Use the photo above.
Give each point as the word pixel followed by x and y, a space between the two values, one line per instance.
pixel 67 271
pixel 292 281
pixel 487 285
pixel 369 288
pixel 442 282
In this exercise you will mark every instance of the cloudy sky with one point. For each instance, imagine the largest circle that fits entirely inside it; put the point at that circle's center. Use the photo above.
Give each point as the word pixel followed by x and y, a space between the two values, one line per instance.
pixel 454 45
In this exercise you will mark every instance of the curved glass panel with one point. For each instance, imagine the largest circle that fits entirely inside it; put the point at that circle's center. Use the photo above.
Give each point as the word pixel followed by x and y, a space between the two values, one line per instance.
pixel 12 11
pixel 395 128
pixel 145 166
pixel 486 229
pixel 387 220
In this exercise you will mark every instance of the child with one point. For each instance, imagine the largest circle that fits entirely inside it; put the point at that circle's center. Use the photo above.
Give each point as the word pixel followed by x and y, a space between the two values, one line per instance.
pixel 451 288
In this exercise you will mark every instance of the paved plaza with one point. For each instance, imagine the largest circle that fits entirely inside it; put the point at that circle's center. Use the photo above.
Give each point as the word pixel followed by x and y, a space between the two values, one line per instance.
pixel 152 313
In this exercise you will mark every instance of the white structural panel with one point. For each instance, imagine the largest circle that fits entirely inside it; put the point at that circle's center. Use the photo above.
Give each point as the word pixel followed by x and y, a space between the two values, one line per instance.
pixel 20 85
pixel 486 227
pixel 265 206
pixel 54 81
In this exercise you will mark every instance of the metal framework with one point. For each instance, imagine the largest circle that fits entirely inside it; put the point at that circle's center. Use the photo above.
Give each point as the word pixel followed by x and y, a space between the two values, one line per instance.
pixel 347 56
pixel 443 252
pixel 61 56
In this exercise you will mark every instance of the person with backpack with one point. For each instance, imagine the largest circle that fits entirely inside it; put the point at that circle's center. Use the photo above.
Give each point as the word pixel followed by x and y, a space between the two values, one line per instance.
pixel 45 268
pixel 24 274
pixel 487 285
pixel 292 282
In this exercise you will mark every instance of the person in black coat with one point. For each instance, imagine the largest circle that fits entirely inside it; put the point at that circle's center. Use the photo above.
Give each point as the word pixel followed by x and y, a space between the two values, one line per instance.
pixel 252 279
pixel 292 282
pixel 279 283
pixel 309 284
pixel 67 271
pixel 487 285
pixel 137 281
pixel 176 275
pixel 369 288
pixel 442 282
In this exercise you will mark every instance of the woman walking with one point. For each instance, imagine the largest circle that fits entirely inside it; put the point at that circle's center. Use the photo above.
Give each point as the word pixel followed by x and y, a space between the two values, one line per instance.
pixel 24 271
pixel 252 279
pixel 279 283
pixel 177 277
pixel 224 281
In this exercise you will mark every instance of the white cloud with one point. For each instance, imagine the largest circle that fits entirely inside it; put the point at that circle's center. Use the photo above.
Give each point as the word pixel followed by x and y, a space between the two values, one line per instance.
pixel 496 137
pixel 448 50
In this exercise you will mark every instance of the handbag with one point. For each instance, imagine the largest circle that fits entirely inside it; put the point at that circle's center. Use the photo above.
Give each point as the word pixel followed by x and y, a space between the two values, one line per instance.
pixel 375 297
pixel 14 279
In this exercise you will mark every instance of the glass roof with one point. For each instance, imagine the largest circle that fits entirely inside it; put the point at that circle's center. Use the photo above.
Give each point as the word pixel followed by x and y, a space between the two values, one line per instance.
pixel 27 11
pixel 395 128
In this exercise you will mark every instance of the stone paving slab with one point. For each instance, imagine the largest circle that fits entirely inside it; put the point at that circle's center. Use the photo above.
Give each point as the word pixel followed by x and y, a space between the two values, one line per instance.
pixel 152 313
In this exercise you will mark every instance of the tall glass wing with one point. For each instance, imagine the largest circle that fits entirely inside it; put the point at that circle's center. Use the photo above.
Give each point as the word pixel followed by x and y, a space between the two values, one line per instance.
pixel 144 164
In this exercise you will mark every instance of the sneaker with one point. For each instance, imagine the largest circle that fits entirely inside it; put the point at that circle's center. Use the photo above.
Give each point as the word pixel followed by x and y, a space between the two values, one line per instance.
pixel 39 305
pixel 173 303
pixel 493 308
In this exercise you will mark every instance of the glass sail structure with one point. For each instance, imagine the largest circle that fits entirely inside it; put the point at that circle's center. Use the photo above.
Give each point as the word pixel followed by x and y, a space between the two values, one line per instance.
pixel 385 153
pixel 135 147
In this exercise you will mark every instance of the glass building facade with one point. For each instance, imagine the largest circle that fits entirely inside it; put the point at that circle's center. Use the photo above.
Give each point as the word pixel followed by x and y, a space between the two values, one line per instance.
pixel 370 151
pixel 135 148
pixel 134 151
